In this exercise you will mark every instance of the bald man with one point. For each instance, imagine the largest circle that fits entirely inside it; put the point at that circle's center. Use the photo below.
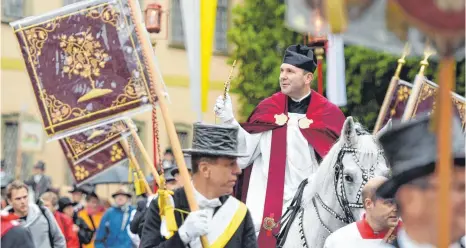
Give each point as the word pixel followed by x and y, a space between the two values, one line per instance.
pixel 380 218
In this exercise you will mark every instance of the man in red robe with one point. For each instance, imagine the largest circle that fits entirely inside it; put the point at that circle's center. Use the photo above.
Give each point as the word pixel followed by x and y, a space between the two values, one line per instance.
pixel 289 132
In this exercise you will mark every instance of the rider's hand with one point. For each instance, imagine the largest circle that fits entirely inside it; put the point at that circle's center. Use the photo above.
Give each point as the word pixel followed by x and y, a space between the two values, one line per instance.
pixel 224 110
pixel 195 225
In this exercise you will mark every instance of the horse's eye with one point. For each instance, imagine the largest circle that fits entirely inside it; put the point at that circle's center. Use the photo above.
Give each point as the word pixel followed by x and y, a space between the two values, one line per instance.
pixel 348 178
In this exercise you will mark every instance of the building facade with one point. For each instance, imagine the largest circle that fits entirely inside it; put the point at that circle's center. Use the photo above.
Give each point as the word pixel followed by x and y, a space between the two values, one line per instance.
pixel 18 102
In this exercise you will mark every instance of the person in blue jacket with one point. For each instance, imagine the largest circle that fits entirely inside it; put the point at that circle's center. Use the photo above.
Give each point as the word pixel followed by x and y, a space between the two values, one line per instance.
pixel 112 231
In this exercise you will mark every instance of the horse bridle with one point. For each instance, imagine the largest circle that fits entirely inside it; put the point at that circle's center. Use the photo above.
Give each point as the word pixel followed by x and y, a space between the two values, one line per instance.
pixel 343 201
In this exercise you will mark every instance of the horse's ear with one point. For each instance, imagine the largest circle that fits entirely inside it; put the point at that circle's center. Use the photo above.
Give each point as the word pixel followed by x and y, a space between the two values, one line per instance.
pixel 348 133
pixel 385 128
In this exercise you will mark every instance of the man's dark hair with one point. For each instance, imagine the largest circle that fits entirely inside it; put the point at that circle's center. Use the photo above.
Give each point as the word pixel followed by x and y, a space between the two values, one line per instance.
pixel 15 185
pixel 168 151
pixel 197 159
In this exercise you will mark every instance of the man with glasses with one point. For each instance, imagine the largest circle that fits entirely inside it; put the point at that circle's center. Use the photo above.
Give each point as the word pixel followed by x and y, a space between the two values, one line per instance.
pixel 377 222
pixel 411 149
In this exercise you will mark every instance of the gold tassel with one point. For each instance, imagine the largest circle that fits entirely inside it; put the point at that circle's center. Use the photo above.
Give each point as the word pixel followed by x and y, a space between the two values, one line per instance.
pixel 139 183
pixel 167 211
pixel 139 186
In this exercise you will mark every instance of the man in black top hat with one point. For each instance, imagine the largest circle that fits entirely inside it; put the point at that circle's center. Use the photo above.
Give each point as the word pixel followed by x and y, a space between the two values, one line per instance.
pixel 285 137
pixel 411 149
pixel 223 219
pixel 39 182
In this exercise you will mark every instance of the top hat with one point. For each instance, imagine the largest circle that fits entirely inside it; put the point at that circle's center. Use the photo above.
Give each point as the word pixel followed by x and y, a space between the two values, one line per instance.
pixel 169 175
pixel 81 189
pixel 168 151
pixel 91 194
pixel 187 160
pixel 411 150
pixel 215 140
pixel 122 192
pixel 64 202
pixel 40 165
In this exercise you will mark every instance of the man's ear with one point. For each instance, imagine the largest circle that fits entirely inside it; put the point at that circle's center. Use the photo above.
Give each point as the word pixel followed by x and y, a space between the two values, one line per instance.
pixel 204 169
pixel 367 203
pixel 309 77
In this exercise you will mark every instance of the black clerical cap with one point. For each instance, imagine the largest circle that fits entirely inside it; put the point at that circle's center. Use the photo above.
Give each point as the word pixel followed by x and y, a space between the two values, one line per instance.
pixel 300 56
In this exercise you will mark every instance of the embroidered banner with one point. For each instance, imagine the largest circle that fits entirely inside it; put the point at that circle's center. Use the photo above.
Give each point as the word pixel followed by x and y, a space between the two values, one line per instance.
pixel 89 142
pixel 424 102
pixel 86 65
pixel 94 164
pixel 398 101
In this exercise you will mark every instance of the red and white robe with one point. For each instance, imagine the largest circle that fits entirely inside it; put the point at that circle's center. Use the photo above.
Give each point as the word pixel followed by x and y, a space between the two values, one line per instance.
pixel 282 148
pixel 357 235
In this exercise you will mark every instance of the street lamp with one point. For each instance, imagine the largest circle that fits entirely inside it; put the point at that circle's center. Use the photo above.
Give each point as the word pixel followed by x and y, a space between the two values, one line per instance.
pixel 153 18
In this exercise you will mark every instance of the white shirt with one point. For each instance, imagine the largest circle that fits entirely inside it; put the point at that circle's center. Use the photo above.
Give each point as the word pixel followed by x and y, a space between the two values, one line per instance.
pixel 349 236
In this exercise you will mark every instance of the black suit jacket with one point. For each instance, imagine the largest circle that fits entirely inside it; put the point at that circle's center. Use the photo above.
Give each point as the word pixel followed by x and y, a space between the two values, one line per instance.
pixel 245 236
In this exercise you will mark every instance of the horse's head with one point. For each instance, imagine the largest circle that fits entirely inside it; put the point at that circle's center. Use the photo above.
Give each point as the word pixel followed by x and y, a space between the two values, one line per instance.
pixel 359 159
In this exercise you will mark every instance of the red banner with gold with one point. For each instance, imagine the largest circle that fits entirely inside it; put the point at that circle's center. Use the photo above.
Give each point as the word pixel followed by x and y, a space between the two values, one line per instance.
pixel 398 101
pixel 425 101
pixel 94 164
pixel 85 64
pixel 87 143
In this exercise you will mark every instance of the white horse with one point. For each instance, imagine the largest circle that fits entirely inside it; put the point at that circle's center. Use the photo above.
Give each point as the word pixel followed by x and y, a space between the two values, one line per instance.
pixel 332 198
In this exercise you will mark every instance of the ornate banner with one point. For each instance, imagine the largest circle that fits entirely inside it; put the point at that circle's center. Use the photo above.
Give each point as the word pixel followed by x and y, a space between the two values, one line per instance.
pixel 398 101
pixel 94 164
pixel 85 64
pixel 90 142
pixel 426 101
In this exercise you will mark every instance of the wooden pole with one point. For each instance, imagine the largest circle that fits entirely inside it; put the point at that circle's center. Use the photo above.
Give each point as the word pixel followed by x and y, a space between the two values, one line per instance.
pixel 390 90
pixel 144 153
pixel 125 145
pixel 170 126
pixel 443 120
pixel 417 86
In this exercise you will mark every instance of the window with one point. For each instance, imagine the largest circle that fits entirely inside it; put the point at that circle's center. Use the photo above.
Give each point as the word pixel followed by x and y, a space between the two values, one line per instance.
pixel 221 25
pixel 183 137
pixel 177 33
pixel 13 10
pixel 184 134
pixel 10 149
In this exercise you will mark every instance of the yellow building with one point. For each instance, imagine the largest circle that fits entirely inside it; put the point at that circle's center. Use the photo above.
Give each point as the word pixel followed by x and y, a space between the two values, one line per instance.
pixel 17 96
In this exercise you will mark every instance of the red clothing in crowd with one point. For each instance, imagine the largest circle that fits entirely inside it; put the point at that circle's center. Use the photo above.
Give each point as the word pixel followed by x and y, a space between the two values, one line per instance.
pixel 66 226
